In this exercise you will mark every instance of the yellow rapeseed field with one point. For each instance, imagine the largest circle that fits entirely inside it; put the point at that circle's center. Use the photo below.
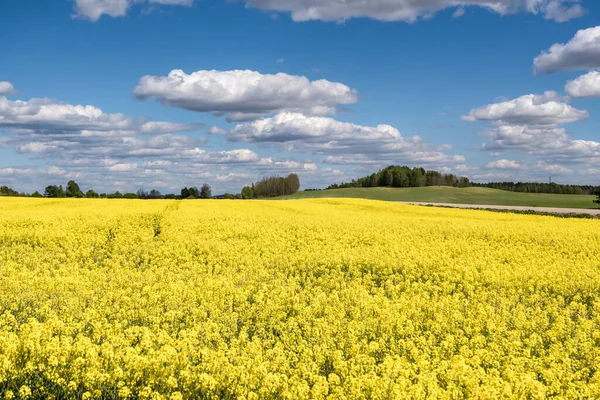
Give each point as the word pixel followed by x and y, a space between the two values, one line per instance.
pixel 312 299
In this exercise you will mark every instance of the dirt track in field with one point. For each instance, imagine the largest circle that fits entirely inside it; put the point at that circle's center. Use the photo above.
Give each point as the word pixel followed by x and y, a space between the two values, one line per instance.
pixel 549 210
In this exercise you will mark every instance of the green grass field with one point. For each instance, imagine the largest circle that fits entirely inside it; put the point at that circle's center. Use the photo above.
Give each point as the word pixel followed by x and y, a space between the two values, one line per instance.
pixel 439 194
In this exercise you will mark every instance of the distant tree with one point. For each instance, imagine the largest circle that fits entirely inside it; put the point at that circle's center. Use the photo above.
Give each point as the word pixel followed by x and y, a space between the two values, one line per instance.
pixel 154 194
pixel 247 192
pixel 142 194
pixel 73 190
pixel 400 177
pixel 539 187
pixel 170 196
pixel 276 186
pixel 205 191
pixel 51 191
pixel 433 178
pixel 228 196
pixel 103 195
pixel 90 194
pixel 417 177
pixel 115 195
pixel 130 196
pixel 292 183
pixel 192 192
pixel 36 194
pixel 6 191
pixel 389 178
pixel 403 176
pixel 597 201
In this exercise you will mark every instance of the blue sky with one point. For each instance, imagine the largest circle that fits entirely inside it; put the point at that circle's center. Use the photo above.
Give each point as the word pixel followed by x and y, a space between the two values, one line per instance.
pixel 239 90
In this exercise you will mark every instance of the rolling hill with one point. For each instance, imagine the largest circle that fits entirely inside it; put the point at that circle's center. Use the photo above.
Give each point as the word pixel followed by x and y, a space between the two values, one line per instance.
pixel 444 194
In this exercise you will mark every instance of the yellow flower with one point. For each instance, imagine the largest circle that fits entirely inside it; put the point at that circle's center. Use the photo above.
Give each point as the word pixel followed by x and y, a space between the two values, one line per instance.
pixel 24 392
pixel 316 299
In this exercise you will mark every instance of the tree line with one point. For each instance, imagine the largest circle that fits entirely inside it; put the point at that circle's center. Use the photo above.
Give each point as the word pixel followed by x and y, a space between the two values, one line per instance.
pixel 403 176
pixel 267 187
pixel 72 190
pixel 537 187
pixel 273 186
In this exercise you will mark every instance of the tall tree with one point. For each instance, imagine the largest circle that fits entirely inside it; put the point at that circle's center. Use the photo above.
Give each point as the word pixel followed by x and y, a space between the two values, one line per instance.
pixel 276 186
pixel 6 191
pixel 73 190
pixel 247 192
pixel 51 191
pixel 293 183
pixel 185 193
pixel 389 178
pixel 205 191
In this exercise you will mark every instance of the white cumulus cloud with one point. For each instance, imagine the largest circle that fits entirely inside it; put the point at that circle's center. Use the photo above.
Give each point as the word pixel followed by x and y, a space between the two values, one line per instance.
pixel 412 10
pixel 531 109
pixel 587 85
pixel 503 164
pixel 245 95
pixel 549 143
pixel 6 88
pixel 581 52
pixel 162 127
pixel 47 116
pixel 94 9
pixel 123 167
pixel 342 142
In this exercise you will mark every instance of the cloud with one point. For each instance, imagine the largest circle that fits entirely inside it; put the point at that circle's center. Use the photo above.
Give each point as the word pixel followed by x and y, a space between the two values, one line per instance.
pixel 238 156
pixel 46 116
pixel 92 10
pixel 41 176
pixel 580 53
pixel 123 167
pixel 154 127
pixel 110 152
pixel 6 88
pixel 49 115
pixel 412 10
pixel 342 142
pixel 458 13
pixel 503 164
pixel 114 151
pixel 549 143
pixel 527 171
pixel 490 177
pixel 531 109
pixel 587 85
pixel 245 95
pixel 270 163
